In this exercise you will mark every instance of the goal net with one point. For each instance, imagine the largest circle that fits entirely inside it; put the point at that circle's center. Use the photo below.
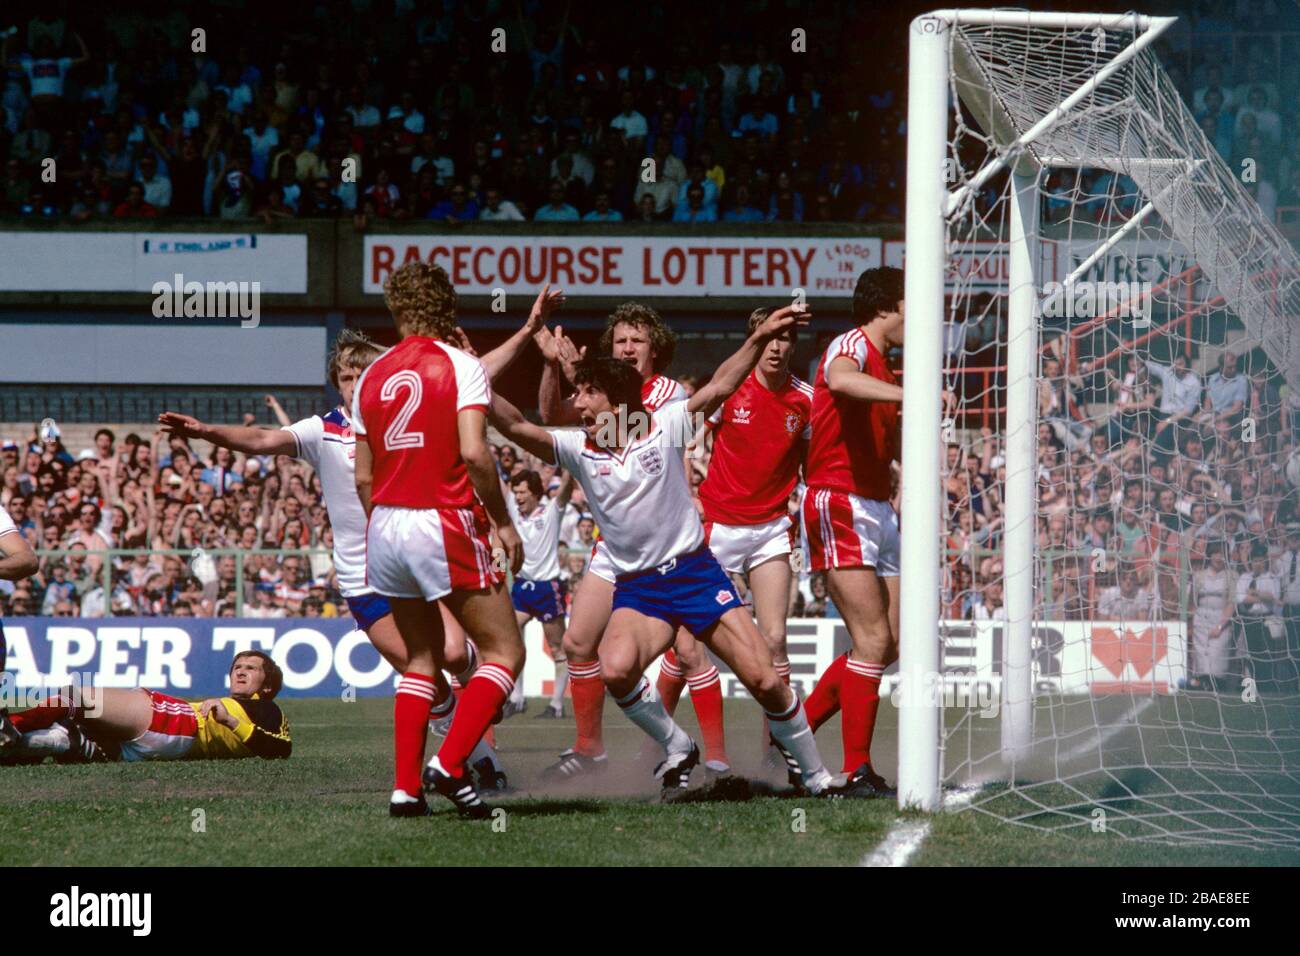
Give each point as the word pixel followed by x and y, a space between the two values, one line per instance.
pixel 1117 601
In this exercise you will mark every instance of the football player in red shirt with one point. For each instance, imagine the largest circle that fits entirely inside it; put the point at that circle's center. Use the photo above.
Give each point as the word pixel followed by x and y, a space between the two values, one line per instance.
pixel 420 417
pixel 850 526
pixel 760 438
pixel 637 335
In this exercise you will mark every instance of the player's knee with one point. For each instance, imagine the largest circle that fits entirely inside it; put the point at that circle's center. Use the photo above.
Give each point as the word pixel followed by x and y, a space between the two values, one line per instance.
pixel 620 672
pixel 775 640
pixel 766 684
pixel 456 659
pixel 577 646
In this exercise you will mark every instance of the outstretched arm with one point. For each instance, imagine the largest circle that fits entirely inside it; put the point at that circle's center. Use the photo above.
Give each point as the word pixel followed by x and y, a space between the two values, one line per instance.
pixel 732 372
pixel 510 422
pixel 251 441
pixel 504 355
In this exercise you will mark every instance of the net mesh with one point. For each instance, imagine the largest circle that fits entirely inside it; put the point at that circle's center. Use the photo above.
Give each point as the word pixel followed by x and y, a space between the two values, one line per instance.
pixel 1167 602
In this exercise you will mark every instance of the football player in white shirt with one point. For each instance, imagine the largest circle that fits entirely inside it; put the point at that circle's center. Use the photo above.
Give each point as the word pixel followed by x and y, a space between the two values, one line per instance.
pixel 536 590
pixel 634 334
pixel 17 561
pixel 634 478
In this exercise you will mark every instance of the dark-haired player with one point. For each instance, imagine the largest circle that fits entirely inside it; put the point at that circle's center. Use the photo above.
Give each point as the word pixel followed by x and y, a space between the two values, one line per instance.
pixel 634 478
pixel 536 590
pixel 850 526
pixel 636 335
pixel 17 561
pixel 139 724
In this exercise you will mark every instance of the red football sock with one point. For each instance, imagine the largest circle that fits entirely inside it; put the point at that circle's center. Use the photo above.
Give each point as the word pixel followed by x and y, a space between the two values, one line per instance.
pixel 824 701
pixel 479 703
pixel 860 696
pixel 671 682
pixel 60 706
pixel 706 696
pixel 588 690
pixel 411 707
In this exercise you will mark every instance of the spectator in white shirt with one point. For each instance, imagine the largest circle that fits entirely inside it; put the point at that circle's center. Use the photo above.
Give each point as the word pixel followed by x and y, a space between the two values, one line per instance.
pixel 364 115
pixel 496 208
pixel 629 123
pixel 1180 396
pixel 1127 601
pixel 157 187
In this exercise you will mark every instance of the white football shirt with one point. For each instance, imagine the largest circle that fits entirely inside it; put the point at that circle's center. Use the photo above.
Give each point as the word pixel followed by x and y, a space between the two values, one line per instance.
pixel 328 444
pixel 540 534
pixel 7 525
pixel 640 498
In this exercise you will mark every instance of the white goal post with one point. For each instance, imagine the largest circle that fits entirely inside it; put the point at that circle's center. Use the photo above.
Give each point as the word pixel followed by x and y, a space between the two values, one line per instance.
pixel 1120 114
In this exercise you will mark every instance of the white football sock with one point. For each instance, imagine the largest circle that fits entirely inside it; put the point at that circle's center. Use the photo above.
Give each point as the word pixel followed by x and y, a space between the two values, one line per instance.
pixel 790 729
pixel 561 684
pixel 50 740
pixel 644 708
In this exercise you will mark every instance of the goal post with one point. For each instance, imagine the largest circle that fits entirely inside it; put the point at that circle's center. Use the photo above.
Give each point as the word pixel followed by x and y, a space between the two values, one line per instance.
pixel 1013 115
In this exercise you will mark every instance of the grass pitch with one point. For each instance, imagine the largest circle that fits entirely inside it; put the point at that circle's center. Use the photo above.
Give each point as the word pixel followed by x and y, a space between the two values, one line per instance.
pixel 327 806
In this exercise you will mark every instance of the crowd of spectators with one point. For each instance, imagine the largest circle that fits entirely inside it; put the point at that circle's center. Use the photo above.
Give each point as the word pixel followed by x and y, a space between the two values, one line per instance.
pixel 418 112
pixel 387 110
pixel 1162 496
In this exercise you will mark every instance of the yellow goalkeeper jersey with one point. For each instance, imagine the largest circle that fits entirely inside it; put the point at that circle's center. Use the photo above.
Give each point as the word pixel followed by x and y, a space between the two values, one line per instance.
pixel 262 731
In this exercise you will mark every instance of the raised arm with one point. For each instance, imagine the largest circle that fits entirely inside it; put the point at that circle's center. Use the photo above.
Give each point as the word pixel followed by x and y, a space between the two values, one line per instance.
pixel 731 373
pixel 471 426
pixel 250 441
pixel 510 422
pixel 85 53
pixel 504 355
pixel 555 408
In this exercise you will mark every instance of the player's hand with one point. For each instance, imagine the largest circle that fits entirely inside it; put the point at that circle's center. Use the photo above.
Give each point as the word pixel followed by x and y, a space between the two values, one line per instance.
pixel 570 354
pixel 217 709
pixel 182 426
pixel 546 344
pixel 547 301
pixel 796 315
pixel 513 547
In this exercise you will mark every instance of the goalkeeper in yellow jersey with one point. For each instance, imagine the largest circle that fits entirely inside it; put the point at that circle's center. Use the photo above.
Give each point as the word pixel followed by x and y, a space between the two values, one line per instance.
pixel 98 724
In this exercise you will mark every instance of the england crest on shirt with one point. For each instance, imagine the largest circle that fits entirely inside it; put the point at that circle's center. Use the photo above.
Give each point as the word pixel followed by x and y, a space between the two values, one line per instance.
pixel 651 462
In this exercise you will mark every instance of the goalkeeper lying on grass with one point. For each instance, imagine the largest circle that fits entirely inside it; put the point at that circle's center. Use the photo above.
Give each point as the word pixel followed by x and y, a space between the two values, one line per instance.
pixel 104 723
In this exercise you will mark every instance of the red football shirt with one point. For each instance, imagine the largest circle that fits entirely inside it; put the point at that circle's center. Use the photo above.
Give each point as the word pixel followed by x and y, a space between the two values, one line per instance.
pixel 758 437
pixel 405 409
pixel 658 390
pixel 853 442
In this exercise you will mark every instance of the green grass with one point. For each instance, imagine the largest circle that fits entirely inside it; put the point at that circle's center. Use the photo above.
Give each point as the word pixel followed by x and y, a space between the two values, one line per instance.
pixel 327 806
